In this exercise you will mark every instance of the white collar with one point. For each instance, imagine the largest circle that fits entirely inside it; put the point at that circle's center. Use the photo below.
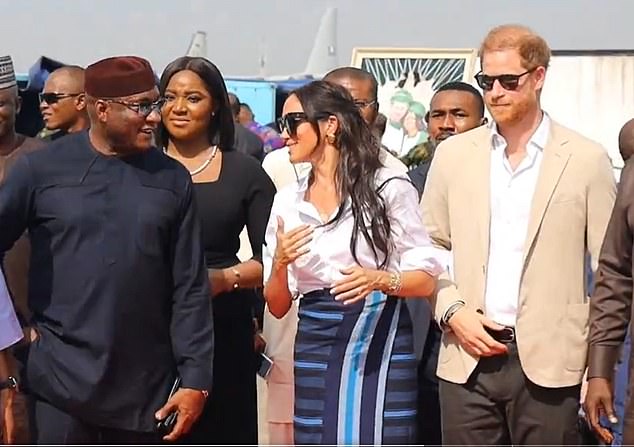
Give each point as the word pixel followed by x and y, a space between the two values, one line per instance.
pixel 538 139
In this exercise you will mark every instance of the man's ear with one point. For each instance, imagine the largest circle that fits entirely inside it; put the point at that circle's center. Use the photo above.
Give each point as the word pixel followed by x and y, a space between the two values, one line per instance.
pixel 18 105
pixel 426 118
pixel 101 109
pixel 80 101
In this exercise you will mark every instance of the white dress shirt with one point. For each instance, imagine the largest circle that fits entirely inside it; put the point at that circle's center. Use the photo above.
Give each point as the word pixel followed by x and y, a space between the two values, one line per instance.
pixel 511 198
pixel 10 330
pixel 330 248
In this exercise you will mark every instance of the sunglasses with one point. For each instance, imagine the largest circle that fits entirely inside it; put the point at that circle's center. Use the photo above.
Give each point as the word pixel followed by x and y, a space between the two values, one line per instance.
pixel 291 121
pixel 507 81
pixel 143 108
pixel 54 98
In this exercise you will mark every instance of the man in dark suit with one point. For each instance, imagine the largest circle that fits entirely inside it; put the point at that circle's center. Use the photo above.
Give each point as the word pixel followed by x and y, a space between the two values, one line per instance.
pixel 118 290
pixel 456 107
pixel 245 140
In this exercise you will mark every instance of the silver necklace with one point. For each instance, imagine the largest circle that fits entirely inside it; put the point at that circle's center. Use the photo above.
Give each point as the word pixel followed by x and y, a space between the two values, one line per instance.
pixel 202 167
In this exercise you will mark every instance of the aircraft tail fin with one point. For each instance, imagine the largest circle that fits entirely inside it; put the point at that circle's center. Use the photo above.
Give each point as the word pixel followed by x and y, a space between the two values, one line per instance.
pixel 323 56
pixel 198 45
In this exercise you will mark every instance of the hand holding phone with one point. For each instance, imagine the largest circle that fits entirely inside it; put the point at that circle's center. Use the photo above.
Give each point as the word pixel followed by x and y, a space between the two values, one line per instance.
pixel 180 412
pixel 166 425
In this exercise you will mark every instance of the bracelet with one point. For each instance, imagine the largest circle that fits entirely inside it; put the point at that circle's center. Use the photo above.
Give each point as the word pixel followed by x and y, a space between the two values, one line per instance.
pixel 396 283
pixel 236 284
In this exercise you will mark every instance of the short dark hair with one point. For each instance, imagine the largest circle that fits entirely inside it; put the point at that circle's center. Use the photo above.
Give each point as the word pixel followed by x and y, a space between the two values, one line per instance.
pixel 221 126
pixel 353 73
pixel 463 87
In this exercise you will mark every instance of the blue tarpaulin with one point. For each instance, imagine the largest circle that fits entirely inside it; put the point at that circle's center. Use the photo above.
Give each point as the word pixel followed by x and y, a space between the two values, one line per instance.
pixel 40 71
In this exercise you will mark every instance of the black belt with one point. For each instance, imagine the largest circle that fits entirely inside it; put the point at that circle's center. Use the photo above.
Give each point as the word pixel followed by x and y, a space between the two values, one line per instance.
pixel 505 335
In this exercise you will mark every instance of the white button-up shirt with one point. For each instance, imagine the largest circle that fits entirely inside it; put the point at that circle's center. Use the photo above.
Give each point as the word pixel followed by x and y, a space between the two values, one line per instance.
pixel 330 248
pixel 511 198
pixel 10 331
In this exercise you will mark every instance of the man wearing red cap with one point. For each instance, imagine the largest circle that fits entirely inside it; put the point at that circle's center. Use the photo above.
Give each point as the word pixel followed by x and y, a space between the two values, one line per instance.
pixel 118 288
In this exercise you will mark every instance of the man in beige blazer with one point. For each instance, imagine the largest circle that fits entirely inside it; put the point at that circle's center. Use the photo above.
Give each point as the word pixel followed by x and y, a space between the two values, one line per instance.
pixel 519 202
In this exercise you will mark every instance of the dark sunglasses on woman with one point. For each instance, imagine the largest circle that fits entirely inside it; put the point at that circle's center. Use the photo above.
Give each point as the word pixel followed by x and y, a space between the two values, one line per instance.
pixel 291 121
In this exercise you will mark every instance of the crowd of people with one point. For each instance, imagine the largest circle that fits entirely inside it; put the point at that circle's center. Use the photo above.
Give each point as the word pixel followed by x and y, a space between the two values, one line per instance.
pixel 439 295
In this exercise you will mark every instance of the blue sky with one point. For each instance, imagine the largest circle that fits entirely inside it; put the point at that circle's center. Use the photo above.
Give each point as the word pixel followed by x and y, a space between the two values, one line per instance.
pixel 82 31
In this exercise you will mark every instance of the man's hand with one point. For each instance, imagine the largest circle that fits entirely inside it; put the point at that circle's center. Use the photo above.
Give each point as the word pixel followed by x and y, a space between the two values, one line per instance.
pixel 469 328
pixel 599 401
pixel 189 404
pixel 8 428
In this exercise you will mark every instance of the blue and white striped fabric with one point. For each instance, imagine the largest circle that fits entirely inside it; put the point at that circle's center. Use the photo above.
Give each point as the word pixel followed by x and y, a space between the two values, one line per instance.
pixel 355 372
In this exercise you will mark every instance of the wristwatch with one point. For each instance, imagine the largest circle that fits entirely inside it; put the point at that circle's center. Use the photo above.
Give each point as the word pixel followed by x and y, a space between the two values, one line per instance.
pixel 10 384
pixel 455 307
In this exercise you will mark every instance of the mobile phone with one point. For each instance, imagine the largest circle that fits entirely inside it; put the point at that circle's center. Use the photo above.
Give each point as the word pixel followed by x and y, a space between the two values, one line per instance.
pixel 265 366
pixel 166 425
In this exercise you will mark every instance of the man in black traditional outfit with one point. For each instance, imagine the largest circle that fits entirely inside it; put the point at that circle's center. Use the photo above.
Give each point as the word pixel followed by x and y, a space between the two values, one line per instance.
pixel 118 288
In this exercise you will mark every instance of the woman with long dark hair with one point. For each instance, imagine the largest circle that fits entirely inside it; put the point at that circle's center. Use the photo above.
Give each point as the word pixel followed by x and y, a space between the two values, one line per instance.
pixel 232 190
pixel 349 241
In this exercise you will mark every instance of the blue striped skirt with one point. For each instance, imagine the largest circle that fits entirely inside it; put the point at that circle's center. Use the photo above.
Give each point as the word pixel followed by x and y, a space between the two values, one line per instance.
pixel 355 372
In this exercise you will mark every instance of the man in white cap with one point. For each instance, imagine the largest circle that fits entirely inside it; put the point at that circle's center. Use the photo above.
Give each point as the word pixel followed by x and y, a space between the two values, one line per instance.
pixel 12 146
pixel 15 262
pixel 11 143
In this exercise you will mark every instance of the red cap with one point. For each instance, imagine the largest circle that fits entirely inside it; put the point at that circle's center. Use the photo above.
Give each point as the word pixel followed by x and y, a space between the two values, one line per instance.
pixel 116 77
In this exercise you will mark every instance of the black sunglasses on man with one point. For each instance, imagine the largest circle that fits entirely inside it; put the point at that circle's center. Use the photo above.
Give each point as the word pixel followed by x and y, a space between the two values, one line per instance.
pixel 508 81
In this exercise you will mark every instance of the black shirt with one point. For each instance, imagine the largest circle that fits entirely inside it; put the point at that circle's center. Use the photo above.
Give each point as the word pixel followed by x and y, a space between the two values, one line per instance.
pixel 242 196
pixel 248 143
pixel 418 176
pixel 117 285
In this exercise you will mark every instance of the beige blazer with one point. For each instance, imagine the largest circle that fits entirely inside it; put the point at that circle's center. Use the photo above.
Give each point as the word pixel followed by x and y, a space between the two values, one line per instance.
pixel 571 207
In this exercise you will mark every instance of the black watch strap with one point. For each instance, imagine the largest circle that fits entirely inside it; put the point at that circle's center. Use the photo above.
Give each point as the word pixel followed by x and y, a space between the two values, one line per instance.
pixel 10 383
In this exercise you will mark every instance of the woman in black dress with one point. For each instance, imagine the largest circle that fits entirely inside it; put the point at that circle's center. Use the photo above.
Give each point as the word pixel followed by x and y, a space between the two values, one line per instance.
pixel 232 190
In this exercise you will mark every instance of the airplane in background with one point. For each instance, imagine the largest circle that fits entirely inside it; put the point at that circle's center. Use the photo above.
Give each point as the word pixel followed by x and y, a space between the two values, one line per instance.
pixel 322 59
pixel 265 94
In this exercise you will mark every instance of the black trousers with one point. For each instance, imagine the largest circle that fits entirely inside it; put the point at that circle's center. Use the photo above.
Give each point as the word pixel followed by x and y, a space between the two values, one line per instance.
pixel 50 425
pixel 499 406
